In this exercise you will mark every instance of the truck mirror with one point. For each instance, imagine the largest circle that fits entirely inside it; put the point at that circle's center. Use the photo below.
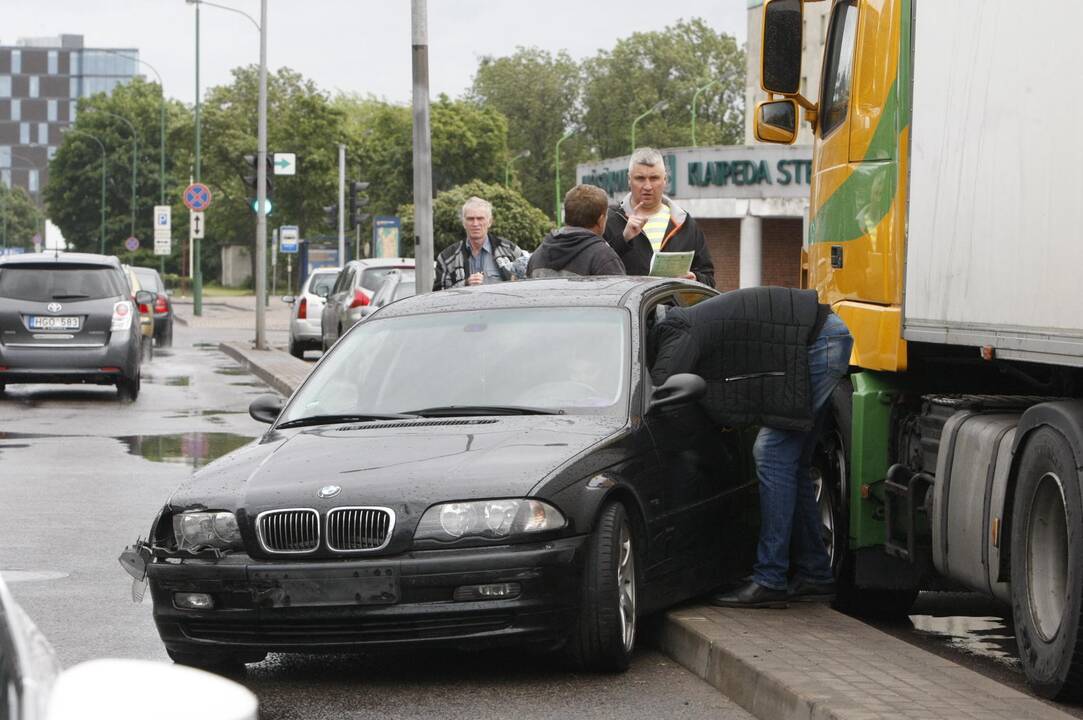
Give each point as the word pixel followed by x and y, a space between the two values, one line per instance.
pixel 776 121
pixel 780 69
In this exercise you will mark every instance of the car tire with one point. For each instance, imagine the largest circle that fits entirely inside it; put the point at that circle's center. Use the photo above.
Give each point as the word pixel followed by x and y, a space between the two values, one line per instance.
pixel 128 388
pixel 1047 566
pixel 167 336
pixel 214 660
pixel 297 349
pixel 147 349
pixel 604 634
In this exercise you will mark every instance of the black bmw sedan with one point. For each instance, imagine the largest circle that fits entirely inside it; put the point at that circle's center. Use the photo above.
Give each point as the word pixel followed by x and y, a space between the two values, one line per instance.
pixel 473 467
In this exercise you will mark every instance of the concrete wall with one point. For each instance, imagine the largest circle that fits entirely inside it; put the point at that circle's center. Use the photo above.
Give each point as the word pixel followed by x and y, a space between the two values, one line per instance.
pixel 236 266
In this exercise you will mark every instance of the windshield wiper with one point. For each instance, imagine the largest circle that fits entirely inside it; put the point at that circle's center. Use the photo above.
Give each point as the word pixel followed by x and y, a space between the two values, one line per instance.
pixel 355 417
pixel 465 410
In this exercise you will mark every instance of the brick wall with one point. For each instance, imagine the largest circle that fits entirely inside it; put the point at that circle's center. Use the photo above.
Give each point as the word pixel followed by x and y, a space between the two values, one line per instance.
pixel 781 251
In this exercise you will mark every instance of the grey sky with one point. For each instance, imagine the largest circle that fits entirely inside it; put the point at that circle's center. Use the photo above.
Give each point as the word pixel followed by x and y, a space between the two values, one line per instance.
pixel 355 46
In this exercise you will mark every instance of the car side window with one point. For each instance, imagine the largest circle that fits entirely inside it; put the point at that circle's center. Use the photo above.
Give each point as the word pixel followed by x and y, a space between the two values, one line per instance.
pixel 654 312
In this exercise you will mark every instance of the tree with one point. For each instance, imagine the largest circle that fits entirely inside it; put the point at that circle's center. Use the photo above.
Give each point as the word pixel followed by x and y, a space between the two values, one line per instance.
pixel 514 217
pixel 665 65
pixel 539 95
pixel 20 218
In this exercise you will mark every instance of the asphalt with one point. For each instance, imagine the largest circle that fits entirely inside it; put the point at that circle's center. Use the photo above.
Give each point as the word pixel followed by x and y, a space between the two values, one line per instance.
pixel 807 662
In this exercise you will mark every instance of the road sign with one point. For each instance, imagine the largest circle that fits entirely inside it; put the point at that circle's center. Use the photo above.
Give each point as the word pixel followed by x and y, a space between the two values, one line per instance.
pixel 163 218
pixel 288 237
pixel 163 245
pixel 195 225
pixel 285 163
pixel 197 196
pixel 132 243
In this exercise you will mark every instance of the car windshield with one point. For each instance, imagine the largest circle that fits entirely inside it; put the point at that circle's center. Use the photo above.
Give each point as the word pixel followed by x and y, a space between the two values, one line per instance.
pixel 45 284
pixel 372 277
pixel 572 360
pixel 322 283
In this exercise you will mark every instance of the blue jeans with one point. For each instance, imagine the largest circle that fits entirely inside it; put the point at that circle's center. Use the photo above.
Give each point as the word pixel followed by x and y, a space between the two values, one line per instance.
pixel 788 508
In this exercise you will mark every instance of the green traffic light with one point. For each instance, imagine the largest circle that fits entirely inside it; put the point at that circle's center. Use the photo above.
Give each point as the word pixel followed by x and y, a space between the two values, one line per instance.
pixel 254 203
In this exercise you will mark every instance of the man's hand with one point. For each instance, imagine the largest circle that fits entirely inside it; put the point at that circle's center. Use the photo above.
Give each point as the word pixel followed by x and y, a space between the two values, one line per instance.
pixel 689 275
pixel 475 279
pixel 636 221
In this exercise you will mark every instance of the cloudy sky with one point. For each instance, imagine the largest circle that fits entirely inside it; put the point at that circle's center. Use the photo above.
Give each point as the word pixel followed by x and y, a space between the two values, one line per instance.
pixel 358 46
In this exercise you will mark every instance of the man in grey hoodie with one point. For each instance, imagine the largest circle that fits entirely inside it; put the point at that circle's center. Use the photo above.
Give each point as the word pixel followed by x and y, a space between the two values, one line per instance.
pixel 578 248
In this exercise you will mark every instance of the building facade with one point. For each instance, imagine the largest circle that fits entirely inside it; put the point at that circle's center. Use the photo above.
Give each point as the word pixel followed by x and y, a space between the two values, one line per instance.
pixel 41 81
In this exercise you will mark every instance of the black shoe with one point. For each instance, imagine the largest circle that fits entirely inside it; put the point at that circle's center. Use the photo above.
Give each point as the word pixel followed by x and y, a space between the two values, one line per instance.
pixel 802 590
pixel 752 595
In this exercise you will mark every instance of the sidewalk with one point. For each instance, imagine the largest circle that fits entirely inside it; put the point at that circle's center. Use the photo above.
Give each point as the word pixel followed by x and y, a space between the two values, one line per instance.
pixel 231 312
pixel 807 662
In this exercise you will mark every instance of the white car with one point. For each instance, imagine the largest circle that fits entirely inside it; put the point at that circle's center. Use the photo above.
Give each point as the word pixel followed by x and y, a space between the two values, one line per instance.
pixel 306 310
pixel 353 290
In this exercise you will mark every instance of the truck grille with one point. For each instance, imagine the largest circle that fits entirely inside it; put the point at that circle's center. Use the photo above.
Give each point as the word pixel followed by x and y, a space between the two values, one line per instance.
pixel 289 531
pixel 352 529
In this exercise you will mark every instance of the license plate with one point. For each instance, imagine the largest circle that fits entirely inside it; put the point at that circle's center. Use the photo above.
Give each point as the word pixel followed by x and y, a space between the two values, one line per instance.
pixel 49 322
pixel 308 588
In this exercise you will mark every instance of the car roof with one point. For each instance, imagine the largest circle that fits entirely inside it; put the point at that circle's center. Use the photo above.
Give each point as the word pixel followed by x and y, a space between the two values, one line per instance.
pixel 599 291
pixel 384 262
pixel 60 258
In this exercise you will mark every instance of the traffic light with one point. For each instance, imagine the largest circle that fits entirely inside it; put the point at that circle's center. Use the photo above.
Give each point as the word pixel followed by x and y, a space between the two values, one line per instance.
pixel 330 214
pixel 357 201
pixel 251 178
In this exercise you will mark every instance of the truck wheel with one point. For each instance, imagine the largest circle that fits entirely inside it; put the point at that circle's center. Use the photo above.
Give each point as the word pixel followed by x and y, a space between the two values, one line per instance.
pixel 605 628
pixel 1047 566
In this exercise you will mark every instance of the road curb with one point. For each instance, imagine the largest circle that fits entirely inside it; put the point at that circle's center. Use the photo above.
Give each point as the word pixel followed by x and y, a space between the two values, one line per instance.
pixel 267 365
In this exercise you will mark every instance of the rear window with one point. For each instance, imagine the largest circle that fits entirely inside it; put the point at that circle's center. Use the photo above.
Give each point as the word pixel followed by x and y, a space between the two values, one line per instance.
pixel 406 288
pixel 45 284
pixel 149 279
pixel 321 284
pixel 372 277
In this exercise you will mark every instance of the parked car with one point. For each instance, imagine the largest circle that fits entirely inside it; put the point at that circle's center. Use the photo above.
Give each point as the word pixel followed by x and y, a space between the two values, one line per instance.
pixel 33 686
pixel 162 308
pixel 306 309
pixel 396 285
pixel 67 318
pixel 146 314
pixel 480 467
pixel 353 290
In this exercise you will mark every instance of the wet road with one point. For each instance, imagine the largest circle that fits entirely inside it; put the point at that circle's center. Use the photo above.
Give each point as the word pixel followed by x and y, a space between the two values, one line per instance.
pixel 82 475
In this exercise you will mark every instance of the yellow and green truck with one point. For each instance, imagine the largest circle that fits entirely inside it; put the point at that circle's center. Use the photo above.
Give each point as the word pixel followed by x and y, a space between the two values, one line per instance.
pixel 946 229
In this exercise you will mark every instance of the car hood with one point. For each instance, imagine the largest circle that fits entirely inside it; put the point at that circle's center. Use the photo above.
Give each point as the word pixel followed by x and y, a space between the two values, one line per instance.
pixel 413 463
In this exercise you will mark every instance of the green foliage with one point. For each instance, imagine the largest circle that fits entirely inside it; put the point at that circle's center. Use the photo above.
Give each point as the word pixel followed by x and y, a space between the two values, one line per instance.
pixel 539 94
pixel 20 218
pixel 670 65
pixel 514 217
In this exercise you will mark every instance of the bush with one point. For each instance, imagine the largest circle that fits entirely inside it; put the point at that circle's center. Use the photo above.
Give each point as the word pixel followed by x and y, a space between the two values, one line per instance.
pixel 514 218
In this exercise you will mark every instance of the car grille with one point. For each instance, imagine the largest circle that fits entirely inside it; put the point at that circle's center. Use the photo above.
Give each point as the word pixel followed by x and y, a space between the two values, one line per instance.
pixel 289 531
pixel 352 529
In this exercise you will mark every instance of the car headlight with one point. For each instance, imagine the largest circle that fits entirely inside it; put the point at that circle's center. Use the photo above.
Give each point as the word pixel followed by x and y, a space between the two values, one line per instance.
pixel 206 529
pixel 491 519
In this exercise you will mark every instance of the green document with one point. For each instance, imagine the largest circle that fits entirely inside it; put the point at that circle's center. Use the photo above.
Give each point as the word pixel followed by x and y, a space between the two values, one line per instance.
pixel 671 264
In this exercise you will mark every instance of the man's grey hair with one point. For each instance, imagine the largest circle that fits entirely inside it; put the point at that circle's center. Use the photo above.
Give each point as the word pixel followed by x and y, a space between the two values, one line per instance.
pixel 646 156
pixel 475 201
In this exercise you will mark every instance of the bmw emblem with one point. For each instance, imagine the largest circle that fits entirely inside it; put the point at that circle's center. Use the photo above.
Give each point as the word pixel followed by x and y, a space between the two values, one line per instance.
pixel 329 491
pixel 54 307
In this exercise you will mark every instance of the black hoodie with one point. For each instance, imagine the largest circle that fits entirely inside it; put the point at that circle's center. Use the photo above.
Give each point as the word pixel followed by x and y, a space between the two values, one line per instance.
pixel 574 250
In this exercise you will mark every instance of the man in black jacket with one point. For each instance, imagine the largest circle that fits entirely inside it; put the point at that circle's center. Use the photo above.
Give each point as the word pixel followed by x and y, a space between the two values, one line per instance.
pixel 771 357
pixel 578 248
pixel 648 222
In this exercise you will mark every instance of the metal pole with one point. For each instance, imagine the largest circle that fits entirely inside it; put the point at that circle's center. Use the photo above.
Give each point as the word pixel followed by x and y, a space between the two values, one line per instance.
pixel 261 181
pixel 341 205
pixel 557 206
pixel 196 269
pixel 423 250
pixel 695 97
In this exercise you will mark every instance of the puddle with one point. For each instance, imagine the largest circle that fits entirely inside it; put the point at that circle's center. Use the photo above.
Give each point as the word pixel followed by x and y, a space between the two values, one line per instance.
pixel 232 371
pixel 163 353
pixel 195 449
pixel 175 380
pixel 13 446
pixel 205 346
pixel 249 384
pixel 14 576
pixel 985 636
pixel 203 413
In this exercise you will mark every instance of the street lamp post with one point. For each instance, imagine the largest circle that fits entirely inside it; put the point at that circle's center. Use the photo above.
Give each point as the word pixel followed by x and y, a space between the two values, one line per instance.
pixel 507 168
pixel 695 97
pixel 135 157
pixel 557 205
pixel 73 130
pixel 261 170
pixel 657 107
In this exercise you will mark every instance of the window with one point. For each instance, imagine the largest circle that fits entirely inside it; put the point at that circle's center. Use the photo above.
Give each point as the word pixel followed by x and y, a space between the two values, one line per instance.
pixel 24 133
pixel 53 62
pixel 73 88
pixel 5 156
pixel 838 67
pixel 16 62
pixel 5 86
pixel 5 178
pixel 32 180
pixel 43 133
pixel 33 86
pixel 76 64
pixel 50 151
pixel 42 284
pixel 72 106
pixel 52 110
pixel 16 110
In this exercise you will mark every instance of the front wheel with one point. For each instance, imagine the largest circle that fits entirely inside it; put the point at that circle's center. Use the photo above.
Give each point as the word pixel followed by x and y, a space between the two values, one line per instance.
pixel 605 630
pixel 215 661
pixel 1047 566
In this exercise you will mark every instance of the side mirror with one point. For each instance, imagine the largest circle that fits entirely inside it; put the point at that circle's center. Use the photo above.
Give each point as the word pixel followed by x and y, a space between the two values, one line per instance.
pixel 678 389
pixel 145 297
pixel 780 66
pixel 266 408
pixel 776 121
pixel 288 299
